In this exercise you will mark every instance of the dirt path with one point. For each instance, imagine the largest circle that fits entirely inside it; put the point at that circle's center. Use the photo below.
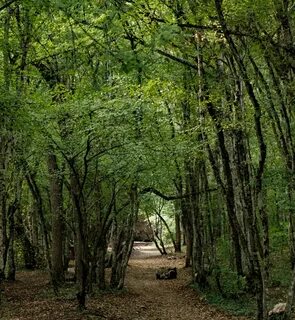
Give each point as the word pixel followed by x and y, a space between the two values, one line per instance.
pixel 145 298
pixel 171 299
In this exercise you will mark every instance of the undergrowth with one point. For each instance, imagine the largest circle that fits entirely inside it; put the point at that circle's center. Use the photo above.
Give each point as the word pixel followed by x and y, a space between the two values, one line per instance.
pixel 231 294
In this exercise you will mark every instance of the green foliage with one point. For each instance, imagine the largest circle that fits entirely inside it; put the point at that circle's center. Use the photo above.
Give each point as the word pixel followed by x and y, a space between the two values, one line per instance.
pixel 242 306
pixel 120 91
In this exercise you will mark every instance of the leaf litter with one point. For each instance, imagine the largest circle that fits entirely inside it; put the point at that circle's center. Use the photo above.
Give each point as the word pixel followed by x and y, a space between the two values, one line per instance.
pixel 144 298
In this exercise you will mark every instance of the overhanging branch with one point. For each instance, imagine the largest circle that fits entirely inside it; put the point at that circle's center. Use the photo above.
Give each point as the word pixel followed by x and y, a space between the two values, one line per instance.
pixel 180 60
pixel 173 197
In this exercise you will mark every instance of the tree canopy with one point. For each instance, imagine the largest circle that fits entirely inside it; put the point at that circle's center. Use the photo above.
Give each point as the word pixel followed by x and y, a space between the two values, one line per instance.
pixel 108 106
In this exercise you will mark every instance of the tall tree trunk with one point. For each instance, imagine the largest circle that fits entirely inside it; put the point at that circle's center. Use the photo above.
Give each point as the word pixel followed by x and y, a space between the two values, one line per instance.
pixel 199 273
pixel 3 223
pixel 188 231
pixel 124 242
pixel 56 201
pixel 29 250
pixel 33 186
pixel 11 268
pixel 82 256
pixel 3 142
pixel 255 266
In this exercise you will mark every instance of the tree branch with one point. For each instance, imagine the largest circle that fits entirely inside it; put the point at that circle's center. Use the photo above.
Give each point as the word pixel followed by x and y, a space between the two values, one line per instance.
pixel 170 198
pixel 7 4
pixel 180 60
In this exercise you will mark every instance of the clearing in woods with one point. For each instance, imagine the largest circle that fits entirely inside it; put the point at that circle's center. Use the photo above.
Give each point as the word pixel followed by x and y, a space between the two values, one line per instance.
pixel 145 298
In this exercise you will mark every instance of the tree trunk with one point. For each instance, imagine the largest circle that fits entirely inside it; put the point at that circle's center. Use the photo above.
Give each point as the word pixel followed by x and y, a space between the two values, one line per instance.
pixel 252 250
pixel 31 180
pixel 188 232
pixel 11 220
pixel 177 228
pixel 291 298
pixel 123 243
pixel 161 247
pixel 56 200
pixel 160 238
pixel 101 258
pixel 198 247
pixel 28 249
pixel 3 209
pixel 82 261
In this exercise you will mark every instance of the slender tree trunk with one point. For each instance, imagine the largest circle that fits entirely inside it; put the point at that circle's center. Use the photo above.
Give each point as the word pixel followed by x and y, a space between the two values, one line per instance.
pixel 188 232
pixel 82 257
pixel 3 208
pixel 177 227
pixel 161 248
pixel 11 222
pixel 6 76
pixel 171 236
pixel 124 242
pixel 101 258
pixel 40 211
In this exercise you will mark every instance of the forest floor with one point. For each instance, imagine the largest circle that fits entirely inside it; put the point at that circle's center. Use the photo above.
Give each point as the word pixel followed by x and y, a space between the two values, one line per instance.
pixel 144 298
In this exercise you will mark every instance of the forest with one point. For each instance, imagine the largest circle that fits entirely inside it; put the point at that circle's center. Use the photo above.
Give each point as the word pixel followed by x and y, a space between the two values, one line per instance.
pixel 176 114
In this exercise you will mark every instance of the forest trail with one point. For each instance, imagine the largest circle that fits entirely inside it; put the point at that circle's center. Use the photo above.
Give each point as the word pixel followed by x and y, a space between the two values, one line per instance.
pixel 145 298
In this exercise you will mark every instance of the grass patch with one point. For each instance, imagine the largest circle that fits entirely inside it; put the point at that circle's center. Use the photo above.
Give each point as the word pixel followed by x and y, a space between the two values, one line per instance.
pixel 242 306
pixel 232 300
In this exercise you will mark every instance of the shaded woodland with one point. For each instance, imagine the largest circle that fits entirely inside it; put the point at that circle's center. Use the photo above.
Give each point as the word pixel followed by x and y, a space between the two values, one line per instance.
pixel 173 112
